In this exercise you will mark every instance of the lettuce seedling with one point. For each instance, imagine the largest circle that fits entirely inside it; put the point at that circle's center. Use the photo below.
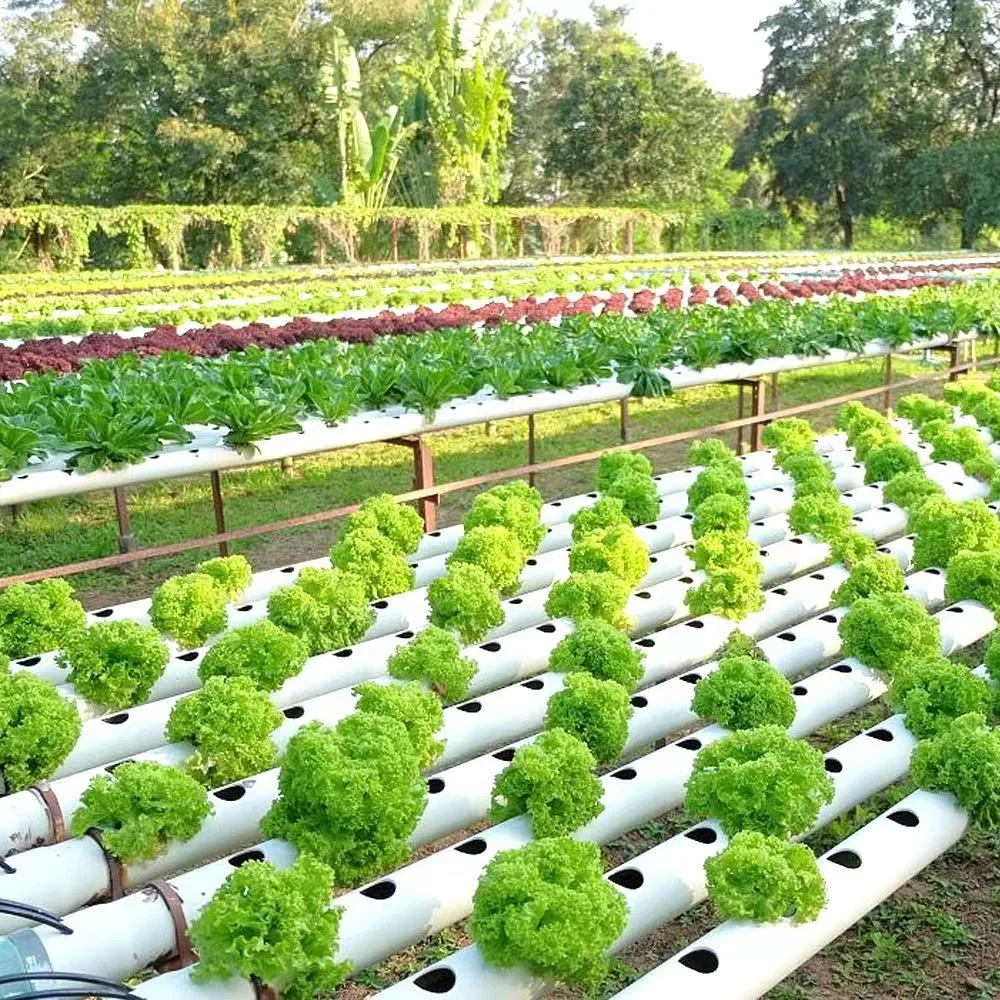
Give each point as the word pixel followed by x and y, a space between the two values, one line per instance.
pixel 886 630
pixel 711 451
pixel 497 552
pixel 608 512
pixel 399 523
pixel 720 512
pixel 465 601
pixel 562 879
pixel 229 723
pixel 744 693
pixel 232 574
pixel 553 781
pixel 274 926
pixel 434 658
pixel 637 492
pixel 616 550
pixel 418 709
pixel 595 711
pixel 587 596
pixel 889 461
pixel 114 664
pixel 763 879
pixel 189 608
pixel 759 779
pixel 740 644
pixel 599 649
pixel 933 692
pixel 871 576
pixel 731 593
pixel 615 463
pixel 140 808
pixel 262 652
pixel 38 617
pixel 374 559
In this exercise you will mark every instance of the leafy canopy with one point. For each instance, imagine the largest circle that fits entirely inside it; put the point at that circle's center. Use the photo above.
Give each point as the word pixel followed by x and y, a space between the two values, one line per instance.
pixel 869 577
pixel 598 648
pixel 615 463
pixel 399 523
pixel 261 652
pixel 38 617
pixel 189 608
pixel 637 492
pixel 743 693
pixel 617 550
pixel 435 658
pixel 232 574
pixel 465 601
pixel 587 596
pixel 411 704
pixel 496 551
pixel 887 630
pixel 932 693
pixel 595 711
pixel 375 560
pixel 607 512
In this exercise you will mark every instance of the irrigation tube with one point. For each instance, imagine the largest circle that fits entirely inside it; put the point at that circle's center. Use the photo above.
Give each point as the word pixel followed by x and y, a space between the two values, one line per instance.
pixel 370 426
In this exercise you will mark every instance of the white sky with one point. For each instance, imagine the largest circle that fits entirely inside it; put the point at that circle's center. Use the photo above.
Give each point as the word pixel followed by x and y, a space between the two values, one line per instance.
pixel 718 35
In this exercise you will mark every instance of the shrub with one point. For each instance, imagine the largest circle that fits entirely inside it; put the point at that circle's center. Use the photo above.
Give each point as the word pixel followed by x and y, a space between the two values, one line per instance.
pixel 885 630
pixel 434 657
pixel 412 705
pixel 974 576
pixel 963 759
pixel 823 517
pixel 595 711
pixel 229 722
pixel 189 608
pixel 871 576
pixel 515 513
pixel 714 480
pixel 720 512
pixel 38 728
pixel 608 512
pixel 399 523
pixel 711 451
pixel 114 664
pixel 920 409
pixel 788 437
pixel 932 693
pixel 586 596
pixel 615 463
pixel 140 808
pixel 614 550
pixel 232 574
pixel 465 601
pixel 262 652
pixel 640 501
pixel 759 779
pixel 599 649
pixel 552 781
pixel 764 878
pixel 351 796
pixel 909 489
pixel 740 644
pixel 745 693
pixel 889 461
pixel 561 879
pixel 277 927
pixel 944 528
pixel 375 560
pixel 38 617
pixel 851 547
pixel 730 593
pixel 495 550
pixel 326 608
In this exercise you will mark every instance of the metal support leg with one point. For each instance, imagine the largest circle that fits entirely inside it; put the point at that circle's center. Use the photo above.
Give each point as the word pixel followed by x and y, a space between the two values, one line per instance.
pixel 624 431
pixel 887 381
pixel 758 398
pixel 220 514
pixel 423 476
pixel 126 540
pixel 531 447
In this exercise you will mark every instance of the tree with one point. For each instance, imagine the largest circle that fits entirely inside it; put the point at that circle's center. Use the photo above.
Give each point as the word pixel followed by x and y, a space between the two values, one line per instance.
pixel 820 112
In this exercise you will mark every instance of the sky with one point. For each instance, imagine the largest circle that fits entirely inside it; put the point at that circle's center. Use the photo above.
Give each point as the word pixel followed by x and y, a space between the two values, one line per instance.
pixel 718 35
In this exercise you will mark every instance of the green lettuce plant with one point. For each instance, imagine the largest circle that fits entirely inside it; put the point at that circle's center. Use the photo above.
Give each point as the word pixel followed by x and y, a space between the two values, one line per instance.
pixel 465 601
pixel 823 517
pixel 886 630
pixel 552 781
pixel 274 926
pixel 598 648
pixel 585 596
pixel 595 711
pixel 512 511
pixel 615 463
pixel 788 436
pixel 909 489
pixel 743 693
pixel 889 461
pixel 920 409
pixel 809 472
pixel 232 574
pixel 763 879
pixel 562 879
pixel 375 560
pixel 944 528
pixel 740 644
pixel 496 551
pixel 607 512
pixel 418 709
pixel 229 723
pixel 974 576
pixel 720 512
pixel 397 522
pixel 933 692
pixel 617 550
pixel 140 808
pixel 38 617
pixel 873 439
pixel 637 492
pixel 850 547
pixel 718 479
pixel 261 652
pixel 114 664
pixel 871 576
pixel 434 658
pixel 189 608
pixel 711 451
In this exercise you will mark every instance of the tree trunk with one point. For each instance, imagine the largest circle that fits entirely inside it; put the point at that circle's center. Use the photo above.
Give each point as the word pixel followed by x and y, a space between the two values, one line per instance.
pixel 969 233
pixel 846 219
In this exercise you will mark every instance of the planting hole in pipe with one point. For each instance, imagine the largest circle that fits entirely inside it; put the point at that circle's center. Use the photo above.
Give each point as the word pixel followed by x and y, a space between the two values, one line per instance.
pixel 843 668
pixel 556 503
pixel 883 548
pixel 627 878
pixel 832 765
pixel 688 517
pixel 644 594
pixel 491 647
pixel 294 712
pixel 933 571
pixel 507 754
pixel 779 489
pixel 686 579
pixel 695 623
pixel 111 768
pixel 646 643
pixel 189 657
pixel 624 774
pixel 344 653
pixel 516 600
pixel 787 636
pixel 533 685
pixel 231 794
pixel 404 635
pixel 238 860
pixel 799 690
pixel 471 707
pixel 691 678
pixel 829 619
pixel 31 661
pixel 689 744
pixel 797 541
pixel 956 610
pixel 759 524
pixel 245 607
pixel 435 785
pixel 846 859
pixel 888 510
pixel 817 576
pixel 436 980
pixel 883 735
pixel 287 569
pixel 591 496
pixel 702 835
pixel 780 591
pixel 475 846
pixel 380 605
pixel 385 889
pixel 548 627
pixel 904 817
pixel 116 720
pixel 103 613
pixel 532 562
pixel 701 960
pixel 638 701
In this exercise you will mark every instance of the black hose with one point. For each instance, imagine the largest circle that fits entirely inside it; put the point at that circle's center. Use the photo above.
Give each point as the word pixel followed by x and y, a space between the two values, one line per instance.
pixel 64 977
pixel 70 993
pixel 36 913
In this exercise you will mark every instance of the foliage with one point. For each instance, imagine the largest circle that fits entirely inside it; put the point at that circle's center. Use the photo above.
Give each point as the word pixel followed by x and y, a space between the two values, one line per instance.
pixel 232 574
pixel 552 781
pixel 114 664
pixel 38 729
pixel 909 489
pixel 743 693
pixel 598 648
pixel 974 576
pixel 920 409
pixel 887 462
pixel 595 711
pixel 718 479
pixel 944 528
pixel 740 644
pixel 887 630
pixel 933 692
pixel 810 473
pixel 720 512
pixel 711 451
pixel 497 551
pixel 759 779
pixel 512 511
pixel 350 796
pixel 874 438
pixel 587 596
pixel 788 437
pixel 262 652
pixel 851 547
pixel 963 759
pixel 871 576
pixel 374 559
pixel 189 608
pixel 434 657
pixel 637 492
pixel 418 709
pixel 276 926
pixel 615 463
pixel 38 617
pixel 607 512
pixel 327 608
pixel 820 516
pixel 763 879
pixel 398 522
pixel 617 550
pixel 229 722
pixel 732 593
pixel 547 906
pixel 465 601
pixel 140 808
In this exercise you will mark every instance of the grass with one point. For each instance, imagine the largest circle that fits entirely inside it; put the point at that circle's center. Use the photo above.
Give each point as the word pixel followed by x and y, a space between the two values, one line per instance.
pixel 56 532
